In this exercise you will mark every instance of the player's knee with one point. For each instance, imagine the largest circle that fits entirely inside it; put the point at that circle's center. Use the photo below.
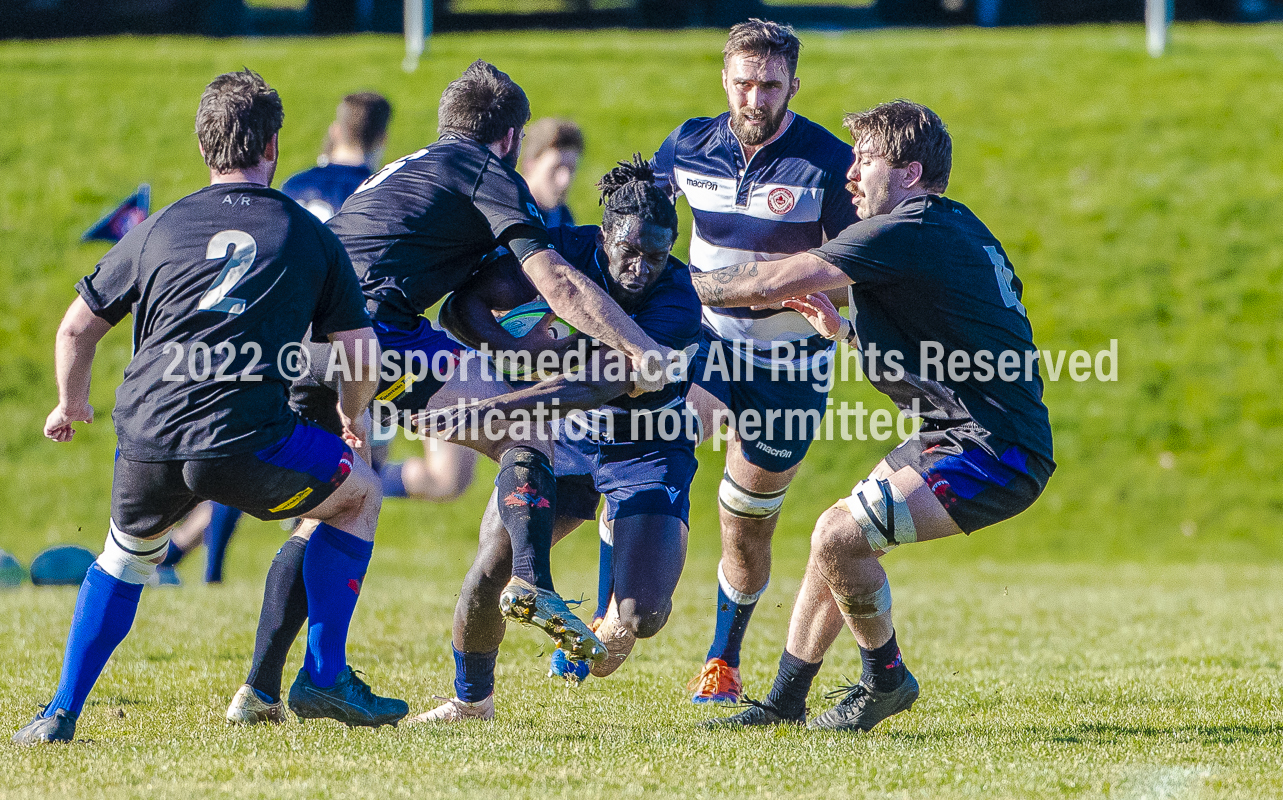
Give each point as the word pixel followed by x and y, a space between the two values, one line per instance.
pixel 748 504
pixel 130 558
pixel 881 514
pixel 826 537
pixel 644 617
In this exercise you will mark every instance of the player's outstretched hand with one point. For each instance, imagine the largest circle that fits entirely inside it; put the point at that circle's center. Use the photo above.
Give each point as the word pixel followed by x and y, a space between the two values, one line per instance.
pixel 58 423
pixel 651 373
pixel 820 312
pixel 356 432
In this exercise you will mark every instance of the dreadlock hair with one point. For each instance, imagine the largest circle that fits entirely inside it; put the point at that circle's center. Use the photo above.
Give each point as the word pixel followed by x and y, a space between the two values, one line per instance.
pixel 629 190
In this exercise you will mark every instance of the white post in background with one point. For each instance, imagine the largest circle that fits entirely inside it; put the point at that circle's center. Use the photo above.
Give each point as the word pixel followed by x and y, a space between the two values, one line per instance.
pixel 1158 18
pixel 418 25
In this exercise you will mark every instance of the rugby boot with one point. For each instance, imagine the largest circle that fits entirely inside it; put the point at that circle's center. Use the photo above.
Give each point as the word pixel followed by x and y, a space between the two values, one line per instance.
pixel 756 715
pixel 560 665
pixel 619 643
pixel 61 727
pixel 452 709
pixel 349 701
pixel 247 708
pixel 862 707
pixel 523 602
pixel 718 682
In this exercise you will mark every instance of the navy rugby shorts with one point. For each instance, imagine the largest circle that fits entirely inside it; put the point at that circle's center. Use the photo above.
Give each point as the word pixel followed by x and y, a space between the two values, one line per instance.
pixel 785 443
pixel 286 479
pixel 979 479
pixel 646 477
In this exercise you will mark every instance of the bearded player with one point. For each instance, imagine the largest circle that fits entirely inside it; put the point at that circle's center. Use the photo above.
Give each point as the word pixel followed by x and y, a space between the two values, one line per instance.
pixel 762 183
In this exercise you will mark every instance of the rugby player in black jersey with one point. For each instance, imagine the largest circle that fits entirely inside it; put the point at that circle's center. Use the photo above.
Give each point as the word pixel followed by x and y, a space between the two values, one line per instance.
pixel 931 287
pixel 219 283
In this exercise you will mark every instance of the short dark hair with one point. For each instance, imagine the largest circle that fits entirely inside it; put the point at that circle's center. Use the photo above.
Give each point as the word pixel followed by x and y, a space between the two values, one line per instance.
pixel 764 39
pixel 629 190
pixel 904 132
pixel 363 118
pixel 550 133
pixel 237 118
pixel 482 104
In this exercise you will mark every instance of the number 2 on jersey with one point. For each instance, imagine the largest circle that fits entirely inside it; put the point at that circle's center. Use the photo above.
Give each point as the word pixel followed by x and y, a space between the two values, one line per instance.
pixel 1005 276
pixel 244 251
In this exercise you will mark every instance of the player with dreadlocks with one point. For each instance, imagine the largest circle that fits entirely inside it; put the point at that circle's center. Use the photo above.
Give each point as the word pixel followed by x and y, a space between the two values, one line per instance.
pixel 637 451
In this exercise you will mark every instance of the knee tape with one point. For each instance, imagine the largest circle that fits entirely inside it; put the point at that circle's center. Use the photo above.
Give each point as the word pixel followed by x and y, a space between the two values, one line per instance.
pixel 749 505
pixel 129 558
pixel 882 513
pixel 865 606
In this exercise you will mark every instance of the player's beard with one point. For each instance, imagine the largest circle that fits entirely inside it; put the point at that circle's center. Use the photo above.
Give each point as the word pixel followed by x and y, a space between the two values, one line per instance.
pixel 754 136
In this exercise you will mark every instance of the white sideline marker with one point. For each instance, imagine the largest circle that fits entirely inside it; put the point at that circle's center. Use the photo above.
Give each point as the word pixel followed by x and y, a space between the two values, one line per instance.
pixel 1158 19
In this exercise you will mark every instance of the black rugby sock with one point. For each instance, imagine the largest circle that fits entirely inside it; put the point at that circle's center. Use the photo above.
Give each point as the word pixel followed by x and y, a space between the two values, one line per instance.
pixel 528 508
pixel 284 612
pixel 883 667
pixel 792 685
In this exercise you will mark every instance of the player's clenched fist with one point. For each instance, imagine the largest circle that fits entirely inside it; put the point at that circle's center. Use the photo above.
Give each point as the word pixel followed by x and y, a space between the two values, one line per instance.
pixel 58 423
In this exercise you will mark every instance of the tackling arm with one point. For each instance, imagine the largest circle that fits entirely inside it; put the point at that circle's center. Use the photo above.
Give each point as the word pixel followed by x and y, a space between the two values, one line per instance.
pixel 358 387
pixel 74 349
pixel 582 303
pixel 762 283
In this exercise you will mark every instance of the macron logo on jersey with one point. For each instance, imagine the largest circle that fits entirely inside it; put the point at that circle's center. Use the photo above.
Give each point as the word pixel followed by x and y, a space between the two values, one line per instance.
pixel 701 183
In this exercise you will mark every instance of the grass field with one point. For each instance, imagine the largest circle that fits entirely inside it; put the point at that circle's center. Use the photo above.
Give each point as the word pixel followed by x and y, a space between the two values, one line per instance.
pixel 1120 639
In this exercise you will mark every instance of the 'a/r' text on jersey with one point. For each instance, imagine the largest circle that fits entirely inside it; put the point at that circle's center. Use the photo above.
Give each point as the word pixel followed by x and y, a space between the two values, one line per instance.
pixel 219 283
pixel 790 197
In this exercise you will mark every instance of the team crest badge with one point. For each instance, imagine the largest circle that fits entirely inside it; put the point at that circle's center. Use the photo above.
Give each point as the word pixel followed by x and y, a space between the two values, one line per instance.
pixel 780 201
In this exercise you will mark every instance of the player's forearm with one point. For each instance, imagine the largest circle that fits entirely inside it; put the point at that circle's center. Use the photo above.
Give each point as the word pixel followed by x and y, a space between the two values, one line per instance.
pixel 761 283
pixel 360 382
pixel 570 395
pixel 582 303
pixel 468 319
pixel 74 349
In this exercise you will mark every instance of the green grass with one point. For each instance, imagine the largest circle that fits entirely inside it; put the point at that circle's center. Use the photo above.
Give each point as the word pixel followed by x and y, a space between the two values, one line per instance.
pixel 1119 639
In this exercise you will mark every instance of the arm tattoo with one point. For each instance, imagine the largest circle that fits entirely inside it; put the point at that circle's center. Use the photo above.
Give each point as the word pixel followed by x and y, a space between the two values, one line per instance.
pixel 727 286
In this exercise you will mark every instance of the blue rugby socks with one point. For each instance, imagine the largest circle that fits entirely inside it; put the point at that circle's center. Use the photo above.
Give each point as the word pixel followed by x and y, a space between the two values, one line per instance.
pixel 284 612
pixel 105 610
pixel 222 524
pixel 334 566
pixel 792 684
pixel 474 675
pixel 605 579
pixel 390 476
pixel 528 506
pixel 883 667
pixel 734 610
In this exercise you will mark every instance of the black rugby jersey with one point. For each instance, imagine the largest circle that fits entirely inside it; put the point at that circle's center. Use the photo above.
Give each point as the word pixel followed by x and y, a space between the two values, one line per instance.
pixel 218 283
pixel 417 228
pixel 931 280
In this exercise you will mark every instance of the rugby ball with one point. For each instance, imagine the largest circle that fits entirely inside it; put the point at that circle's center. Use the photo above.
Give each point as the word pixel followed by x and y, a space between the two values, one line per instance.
pixel 522 320
pixel 64 565
pixel 11 572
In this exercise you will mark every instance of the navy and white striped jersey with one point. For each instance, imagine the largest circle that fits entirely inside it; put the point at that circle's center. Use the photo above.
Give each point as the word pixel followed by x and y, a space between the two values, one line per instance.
pixel 789 198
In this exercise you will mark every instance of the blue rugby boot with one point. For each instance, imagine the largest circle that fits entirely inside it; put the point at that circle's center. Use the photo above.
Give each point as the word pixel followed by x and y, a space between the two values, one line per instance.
pixel 560 665
pixel 61 727
pixel 349 701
